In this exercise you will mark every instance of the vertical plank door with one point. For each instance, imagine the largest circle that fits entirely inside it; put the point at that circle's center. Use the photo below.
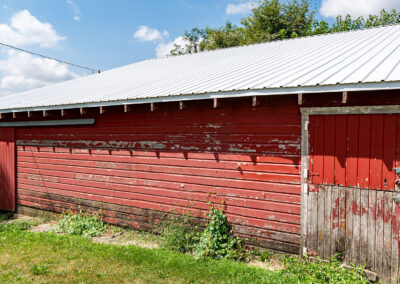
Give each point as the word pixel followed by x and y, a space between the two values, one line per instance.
pixel 7 169
pixel 352 210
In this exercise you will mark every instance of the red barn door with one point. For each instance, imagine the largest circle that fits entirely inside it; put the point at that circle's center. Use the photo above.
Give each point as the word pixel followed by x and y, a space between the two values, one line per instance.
pixel 7 169
pixel 352 189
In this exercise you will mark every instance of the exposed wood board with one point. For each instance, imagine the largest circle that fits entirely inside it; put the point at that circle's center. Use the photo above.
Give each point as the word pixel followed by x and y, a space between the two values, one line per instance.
pixel 88 121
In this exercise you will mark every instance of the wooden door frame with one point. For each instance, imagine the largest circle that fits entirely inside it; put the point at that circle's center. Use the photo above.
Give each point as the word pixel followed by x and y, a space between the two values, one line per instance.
pixel 305 115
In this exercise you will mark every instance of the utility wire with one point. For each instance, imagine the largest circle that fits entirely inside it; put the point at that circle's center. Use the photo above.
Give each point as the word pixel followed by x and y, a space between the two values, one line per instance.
pixel 44 56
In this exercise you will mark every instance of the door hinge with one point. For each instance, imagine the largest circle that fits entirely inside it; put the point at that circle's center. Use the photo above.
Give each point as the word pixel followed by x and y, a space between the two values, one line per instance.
pixel 305 173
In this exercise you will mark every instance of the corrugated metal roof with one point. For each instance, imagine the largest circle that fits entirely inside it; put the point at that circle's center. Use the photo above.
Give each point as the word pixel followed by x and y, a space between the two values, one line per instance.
pixel 349 60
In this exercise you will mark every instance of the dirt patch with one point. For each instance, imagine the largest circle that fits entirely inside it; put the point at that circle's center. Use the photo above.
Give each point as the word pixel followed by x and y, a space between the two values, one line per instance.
pixel 125 240
pixel 46 227
pixel 18 217
pixel 272 265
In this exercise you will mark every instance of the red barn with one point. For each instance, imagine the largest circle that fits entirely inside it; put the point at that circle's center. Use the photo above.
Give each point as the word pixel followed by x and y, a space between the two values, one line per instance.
pixel 299 139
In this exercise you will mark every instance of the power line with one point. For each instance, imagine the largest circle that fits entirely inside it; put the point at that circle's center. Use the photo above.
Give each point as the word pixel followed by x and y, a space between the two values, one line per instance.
pixel 44 56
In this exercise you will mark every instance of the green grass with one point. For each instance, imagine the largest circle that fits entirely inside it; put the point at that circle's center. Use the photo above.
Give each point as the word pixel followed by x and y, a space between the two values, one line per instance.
pixel 49 258
pixel 28 257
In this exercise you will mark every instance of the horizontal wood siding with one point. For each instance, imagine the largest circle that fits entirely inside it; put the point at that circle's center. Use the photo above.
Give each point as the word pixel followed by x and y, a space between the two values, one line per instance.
pixel 136 166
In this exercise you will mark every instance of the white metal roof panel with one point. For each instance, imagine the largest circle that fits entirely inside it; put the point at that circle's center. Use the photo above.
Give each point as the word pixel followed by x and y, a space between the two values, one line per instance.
pixel 364 59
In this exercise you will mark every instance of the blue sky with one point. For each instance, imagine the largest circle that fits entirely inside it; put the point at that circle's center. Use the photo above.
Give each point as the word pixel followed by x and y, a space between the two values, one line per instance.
pixel 101 34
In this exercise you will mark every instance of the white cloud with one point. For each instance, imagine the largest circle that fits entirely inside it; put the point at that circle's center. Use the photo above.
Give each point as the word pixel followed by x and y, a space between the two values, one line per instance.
pixel 22 71
pixel 145 33
pixel 25 29
pixel 356 8
pixel 164 49
pixel 240 8
pixel 75 10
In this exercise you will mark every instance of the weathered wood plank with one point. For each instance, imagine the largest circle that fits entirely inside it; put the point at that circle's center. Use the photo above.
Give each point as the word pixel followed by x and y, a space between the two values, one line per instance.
pixel 349 226
pixel 364 226
pixel 335 211
pixel 313 224
pixel 355 248
pixel 321 221
pixel 371 229
pixel 379 232
pixel 387 235
pixel 395 240
pixel 341 241
pixel 328 221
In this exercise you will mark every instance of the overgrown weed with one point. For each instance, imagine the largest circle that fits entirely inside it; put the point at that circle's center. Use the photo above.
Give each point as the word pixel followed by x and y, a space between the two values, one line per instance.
pixel 81 224
pixel 298 270
pixel 178 233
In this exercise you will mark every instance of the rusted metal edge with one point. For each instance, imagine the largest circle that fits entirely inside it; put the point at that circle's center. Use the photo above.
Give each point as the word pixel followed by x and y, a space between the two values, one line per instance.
pixel 87 121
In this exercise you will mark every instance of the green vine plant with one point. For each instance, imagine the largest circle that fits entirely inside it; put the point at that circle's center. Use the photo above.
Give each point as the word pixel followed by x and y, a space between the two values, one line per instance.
pixel 218 239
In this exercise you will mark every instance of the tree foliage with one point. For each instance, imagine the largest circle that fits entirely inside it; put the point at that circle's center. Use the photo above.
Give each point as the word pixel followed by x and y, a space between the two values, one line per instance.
pixel 275 20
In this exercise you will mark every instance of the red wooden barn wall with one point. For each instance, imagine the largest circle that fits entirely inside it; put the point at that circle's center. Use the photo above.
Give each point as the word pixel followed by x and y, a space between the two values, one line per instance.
pixel 138 164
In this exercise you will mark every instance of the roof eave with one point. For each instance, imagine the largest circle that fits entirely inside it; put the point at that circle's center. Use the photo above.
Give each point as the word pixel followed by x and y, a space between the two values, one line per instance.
pixel 354 87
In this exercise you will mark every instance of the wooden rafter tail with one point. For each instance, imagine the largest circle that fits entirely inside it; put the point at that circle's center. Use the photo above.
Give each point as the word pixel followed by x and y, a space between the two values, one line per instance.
pixel 102 110
pixel 216 103
pixel 82 111
pixel 255 101
pixel 153 106
pixel 345 97
pixel 182 105
pixel 45 113
pixel 300 99
pixel 127 108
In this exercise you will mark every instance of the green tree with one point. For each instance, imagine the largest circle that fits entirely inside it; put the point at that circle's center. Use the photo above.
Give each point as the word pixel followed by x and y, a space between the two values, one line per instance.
pixel 275 20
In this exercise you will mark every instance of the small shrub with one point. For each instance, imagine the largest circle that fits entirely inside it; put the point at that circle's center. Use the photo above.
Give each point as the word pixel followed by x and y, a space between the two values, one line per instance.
pixel 20 225
pixel 40 269
pixel 299 271
pixel 217 240
pixel 87 225
pixel 178 234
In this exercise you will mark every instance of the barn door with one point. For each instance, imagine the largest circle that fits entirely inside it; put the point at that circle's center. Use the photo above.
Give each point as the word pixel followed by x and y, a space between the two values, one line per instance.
pixel 7 169
pixel 352 206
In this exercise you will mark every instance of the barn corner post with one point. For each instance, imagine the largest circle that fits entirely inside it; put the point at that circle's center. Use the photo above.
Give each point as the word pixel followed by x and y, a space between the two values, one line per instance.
pixel 304 184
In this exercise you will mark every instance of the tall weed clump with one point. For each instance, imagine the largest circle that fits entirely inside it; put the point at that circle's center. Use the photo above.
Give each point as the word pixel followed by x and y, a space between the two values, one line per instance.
pixel 179 234
pixel 81 224
pixel 218 240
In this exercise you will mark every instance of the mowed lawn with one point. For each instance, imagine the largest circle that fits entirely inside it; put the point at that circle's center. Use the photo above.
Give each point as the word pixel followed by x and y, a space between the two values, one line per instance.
pixel 28 257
